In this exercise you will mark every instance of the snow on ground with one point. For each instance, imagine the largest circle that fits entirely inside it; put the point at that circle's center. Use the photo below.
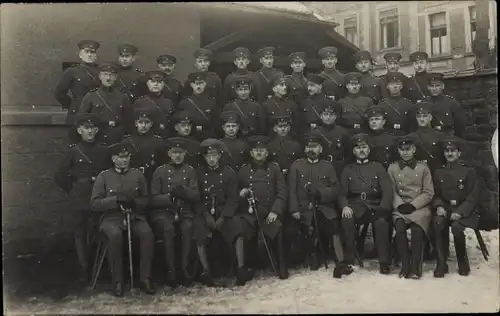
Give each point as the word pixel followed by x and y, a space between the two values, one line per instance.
pixel 365 291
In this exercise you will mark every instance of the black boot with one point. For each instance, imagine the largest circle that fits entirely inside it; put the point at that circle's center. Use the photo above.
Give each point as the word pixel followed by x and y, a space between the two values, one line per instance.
pixel 417 244
pixel 337 271
pixel 402 248
pixel 147 287
pixel 441 266
pixel 312 261
pixel 243 275
pixel 206 278
pixel 282 266
pixel 118 289
pixel 462 259
pixel 385 268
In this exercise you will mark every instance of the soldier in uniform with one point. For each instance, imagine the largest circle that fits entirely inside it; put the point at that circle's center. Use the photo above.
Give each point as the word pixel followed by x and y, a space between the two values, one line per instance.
pixel 155 102
pixel 456 198
pixel 75 175
pixel 415 87
pixel 250 112
pixel 283 149
pixel 447 115
pixel 173 87
pixel 174 193
pixel 183 123
pixel 213 82
pixel 297 89
pixel 333 86
pixel 241 61
pixel 313 187
pixel 395 105
pixel 371 87
pixel 413 193
pixel 237 149
pixel 266 182
pixel 147 147
pixel 79 79
pixel 129 78
pixel 392 65
pixel 264 76
pixel 354 105
pixel 382 143
pixel 217 210
pixel 116 192
pixel 279 104
pixel 204 111
pixel 313 103
pixel 108 103
pixel 366 196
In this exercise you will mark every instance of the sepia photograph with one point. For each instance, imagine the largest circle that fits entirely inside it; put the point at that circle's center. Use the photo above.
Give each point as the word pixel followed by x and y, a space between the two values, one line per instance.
pixel 250 157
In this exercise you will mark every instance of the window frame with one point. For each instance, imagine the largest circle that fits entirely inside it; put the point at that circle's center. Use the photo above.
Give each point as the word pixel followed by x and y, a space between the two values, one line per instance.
pixel 379 28
pixel 356 43
pixel 429 47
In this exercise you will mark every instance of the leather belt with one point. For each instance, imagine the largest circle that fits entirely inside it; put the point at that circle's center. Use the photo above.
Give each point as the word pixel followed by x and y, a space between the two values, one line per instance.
pixel 365 196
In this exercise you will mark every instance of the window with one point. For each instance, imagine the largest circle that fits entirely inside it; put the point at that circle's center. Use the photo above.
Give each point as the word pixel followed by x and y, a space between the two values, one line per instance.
pixel 389 29
pixel 351 30
pixel 439 34
pixel 472 17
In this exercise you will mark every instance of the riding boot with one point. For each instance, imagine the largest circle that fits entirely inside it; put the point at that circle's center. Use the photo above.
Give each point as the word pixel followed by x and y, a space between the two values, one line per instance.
pixel 282 268
pixel 185 256
pixel 402 247
pixel 417 244
pixel 461 251
pixel 312 256
pixel 170 260
pixel 441 266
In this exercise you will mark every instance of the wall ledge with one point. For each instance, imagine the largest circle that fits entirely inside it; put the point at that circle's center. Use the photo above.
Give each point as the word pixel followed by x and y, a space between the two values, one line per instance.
pixel 23 115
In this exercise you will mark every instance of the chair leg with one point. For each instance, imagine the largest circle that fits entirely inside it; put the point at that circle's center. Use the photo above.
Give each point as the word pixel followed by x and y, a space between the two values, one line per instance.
pixel 99 267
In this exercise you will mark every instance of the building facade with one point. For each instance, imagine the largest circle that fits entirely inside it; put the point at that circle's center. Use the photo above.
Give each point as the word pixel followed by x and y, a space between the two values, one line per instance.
pixel 443 29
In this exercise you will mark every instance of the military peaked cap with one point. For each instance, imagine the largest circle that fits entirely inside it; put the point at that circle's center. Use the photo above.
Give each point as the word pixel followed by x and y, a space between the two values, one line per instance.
pixel 435 76
pixel 297 56
pixel 166 59
pixel 418 56
pixel 182 116
pixel 393 57
pixel 315 78
pixel 258 141
pixel 89 44
pixel 362 55
pixel 197 76
pixel 127 49
pixel 313 137
pixel 266 51
pixel 123 148
pixel 327 51
pixel 394 77
pixel 108 67
pixel 359 139
pixel 155 75
pixel 144 113
pixel 423 107
pixel 241 52
pixel 375 111
pixel 353 77
pixel 230 117
pixel 87 119
pixel 203 53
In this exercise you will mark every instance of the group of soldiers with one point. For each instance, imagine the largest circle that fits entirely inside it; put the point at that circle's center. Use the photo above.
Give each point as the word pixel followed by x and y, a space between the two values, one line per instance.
pixel 265 161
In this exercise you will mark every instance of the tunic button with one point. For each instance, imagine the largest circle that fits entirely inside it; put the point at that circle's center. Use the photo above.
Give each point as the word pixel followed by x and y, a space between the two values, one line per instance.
pixel 80 160
pixel 250 177
pixel 446 113
pixel 206 174
pixel 169 178
pixel 206 181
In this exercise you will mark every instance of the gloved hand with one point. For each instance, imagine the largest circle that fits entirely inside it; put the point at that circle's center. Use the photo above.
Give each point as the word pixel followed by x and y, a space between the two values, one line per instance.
pixel 179 192
pixel 406 208
pixel 125 200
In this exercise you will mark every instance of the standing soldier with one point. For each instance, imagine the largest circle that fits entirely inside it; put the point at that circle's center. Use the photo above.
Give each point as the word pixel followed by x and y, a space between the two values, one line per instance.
pixel 366 196
pixel 202 109
pixel 395 105
pixel 237 149
pixel 79 79
pixel 117 192
pixel 415 87
pixel 333 86
pixel 213 82
pixel 382 148
pixel 297 81
pixel 447 115
pixel 371 87
pixel 173 87
pixel 217 209
pixel 183 123
pixel 283 149
pixel 129 78
pixel 174 191
pixel 75 176
pixel 413 193
pixel 313 187
pixel 456 198
pixel 109 103
pixel 241 61
pixel 264 76
pixel 250 112
pixel 313 103
pixel 155 102
pixel 392 65
pixel 354 105
pixel 278 104
pixel 264 180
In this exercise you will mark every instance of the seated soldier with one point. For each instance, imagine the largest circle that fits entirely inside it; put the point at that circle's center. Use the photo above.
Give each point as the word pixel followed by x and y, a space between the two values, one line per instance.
pixel 216 212
pixel 237 149
pixel 456 198
pixel 183 123
pixel 366 196
pixel 264 181
pixel 413 192
pixel 174 190
pixel 119 191
pixel 283 149
pixel 75 175
pixel 382 143
pixel 313 186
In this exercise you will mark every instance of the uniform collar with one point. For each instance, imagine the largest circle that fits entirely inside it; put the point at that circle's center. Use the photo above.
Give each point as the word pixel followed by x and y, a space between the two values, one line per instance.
pixel 298 74
pixel 412 163
pixel 256 166
pixel 353 95
pixel 274 97
pixel 397 97
pixel 241 71
pixel 231 138
pixel 330 70
pixel 451 165
pixel 438 97
pixel 377 132
pixel 219 167
pixel 328 127
pixel 362 162
pixel 155 95
pixel 121 171
pixel 313 161
pixel 421 74
pixel 107 89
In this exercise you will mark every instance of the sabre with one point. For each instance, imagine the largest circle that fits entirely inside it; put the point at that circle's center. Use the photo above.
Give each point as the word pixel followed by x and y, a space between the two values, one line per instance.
pixel 320 243
pixel 131 267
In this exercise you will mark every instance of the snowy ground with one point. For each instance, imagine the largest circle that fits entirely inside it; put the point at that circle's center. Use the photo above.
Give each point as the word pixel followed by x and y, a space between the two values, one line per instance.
pixel 365 291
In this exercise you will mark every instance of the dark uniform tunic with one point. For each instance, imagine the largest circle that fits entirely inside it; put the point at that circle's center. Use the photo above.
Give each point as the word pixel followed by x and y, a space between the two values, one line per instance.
pixel 213 88
pixel 336 140
pixel 312 106
pixel 269 187
pixel 148 153
pixel 383 148
pixel 428 147
pixel 297 86
pixel 229 93
pixel 107 185
pixel 129 81
pixel 415 87
pixel 275 106
pixel 79 79
pixel 447 116
pixel 172 90
pixel 284 151
pixel 223 199
pixel 251 116
pixel 334 85
pixel 162 108
pixel 204 113
pixel 397 118
pixel 262 79
pixel 108 104
pixel 238 152
pixel 353 112
pixel 372 87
